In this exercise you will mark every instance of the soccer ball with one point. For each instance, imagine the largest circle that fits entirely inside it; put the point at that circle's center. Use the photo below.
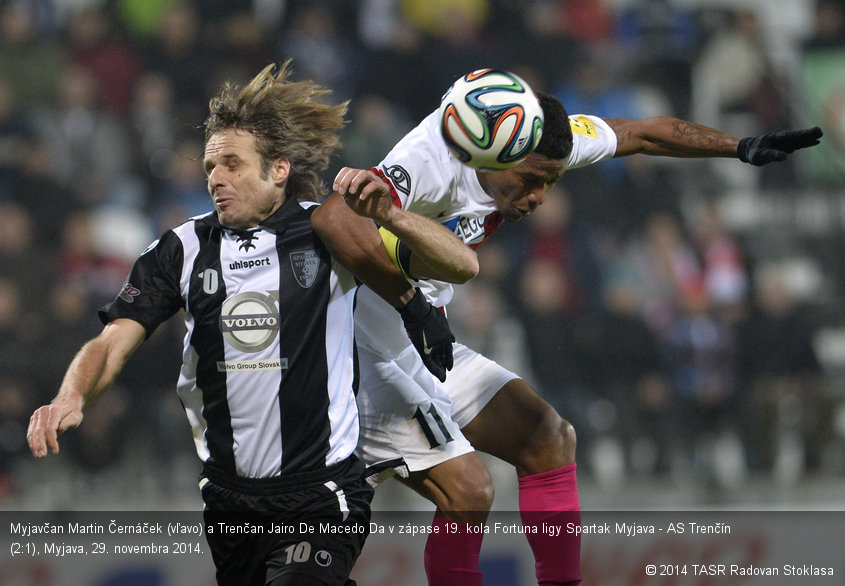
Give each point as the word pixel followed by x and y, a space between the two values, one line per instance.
pixel 491 119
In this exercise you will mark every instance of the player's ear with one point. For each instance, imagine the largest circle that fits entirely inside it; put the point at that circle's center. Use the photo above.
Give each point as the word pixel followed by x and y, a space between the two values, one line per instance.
pixel 280 170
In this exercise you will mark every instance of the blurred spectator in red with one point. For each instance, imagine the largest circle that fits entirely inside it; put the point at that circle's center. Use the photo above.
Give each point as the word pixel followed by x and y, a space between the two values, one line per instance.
pixel 669 267
pixel 95 44
pixel 725 273
pixel 590 21
pixel 553 236
pixel 82 265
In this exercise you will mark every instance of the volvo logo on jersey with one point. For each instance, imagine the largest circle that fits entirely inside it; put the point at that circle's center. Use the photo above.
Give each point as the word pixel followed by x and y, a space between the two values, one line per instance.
pixel 305 264
pixel 249 321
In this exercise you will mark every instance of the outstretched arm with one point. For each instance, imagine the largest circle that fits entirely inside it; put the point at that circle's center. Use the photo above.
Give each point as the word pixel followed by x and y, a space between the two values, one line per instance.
pixel 91 373
pixel 671 137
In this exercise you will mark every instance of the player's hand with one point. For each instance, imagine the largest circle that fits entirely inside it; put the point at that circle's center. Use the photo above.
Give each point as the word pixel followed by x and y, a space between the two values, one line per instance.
pixel 47 423
pixel 429 331
pixel 365 193
pixel 776 145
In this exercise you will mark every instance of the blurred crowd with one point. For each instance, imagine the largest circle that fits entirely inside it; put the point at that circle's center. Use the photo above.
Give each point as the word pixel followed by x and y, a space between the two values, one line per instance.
pixel 673 346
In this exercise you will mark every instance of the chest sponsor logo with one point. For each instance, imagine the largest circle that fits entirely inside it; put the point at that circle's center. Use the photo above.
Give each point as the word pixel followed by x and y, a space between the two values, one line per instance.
pixel 305 264
pixel 469 230
pixel 250 321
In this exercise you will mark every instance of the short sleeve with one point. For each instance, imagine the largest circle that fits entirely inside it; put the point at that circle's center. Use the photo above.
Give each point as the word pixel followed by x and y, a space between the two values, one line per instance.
pixel 593 140
pixel 151 293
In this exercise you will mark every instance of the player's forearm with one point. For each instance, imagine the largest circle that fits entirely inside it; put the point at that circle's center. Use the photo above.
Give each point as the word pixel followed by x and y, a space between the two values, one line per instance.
pixel 96 366
pixel 436 252
pixel 87 378
pixel 671 137
pixel 355 243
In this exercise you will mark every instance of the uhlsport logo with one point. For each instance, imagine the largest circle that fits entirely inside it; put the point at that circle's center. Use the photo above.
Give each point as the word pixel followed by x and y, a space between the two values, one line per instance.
pixel 305 264
pixel 250 321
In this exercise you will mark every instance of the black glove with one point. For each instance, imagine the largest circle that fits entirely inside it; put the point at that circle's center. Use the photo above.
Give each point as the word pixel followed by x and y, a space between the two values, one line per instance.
pixel 429 331
pixel 776 145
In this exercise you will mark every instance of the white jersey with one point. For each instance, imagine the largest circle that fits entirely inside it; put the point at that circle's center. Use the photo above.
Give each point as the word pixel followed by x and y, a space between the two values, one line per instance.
pixel 426 179
pixel 409 420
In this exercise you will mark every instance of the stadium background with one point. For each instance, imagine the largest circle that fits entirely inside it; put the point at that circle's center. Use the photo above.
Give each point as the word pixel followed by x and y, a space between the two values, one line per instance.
pixel 686 316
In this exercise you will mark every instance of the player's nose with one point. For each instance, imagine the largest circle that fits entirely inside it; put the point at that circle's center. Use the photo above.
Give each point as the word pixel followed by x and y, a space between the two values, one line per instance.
pixel 536 197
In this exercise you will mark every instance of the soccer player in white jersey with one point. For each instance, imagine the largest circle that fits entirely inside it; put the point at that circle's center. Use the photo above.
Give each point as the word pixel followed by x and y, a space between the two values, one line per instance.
pixel 425 430
pixel 268 375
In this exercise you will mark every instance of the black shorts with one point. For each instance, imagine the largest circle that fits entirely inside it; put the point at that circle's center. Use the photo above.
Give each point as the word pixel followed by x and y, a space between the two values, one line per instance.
pixel 310 524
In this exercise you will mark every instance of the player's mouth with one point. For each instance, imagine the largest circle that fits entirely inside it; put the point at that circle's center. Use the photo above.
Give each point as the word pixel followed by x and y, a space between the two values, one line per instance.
pixel 221 201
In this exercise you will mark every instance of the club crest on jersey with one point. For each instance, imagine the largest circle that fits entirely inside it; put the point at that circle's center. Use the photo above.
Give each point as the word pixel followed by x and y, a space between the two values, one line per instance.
pixel 400 178
pixel 305 264
pixel 249 321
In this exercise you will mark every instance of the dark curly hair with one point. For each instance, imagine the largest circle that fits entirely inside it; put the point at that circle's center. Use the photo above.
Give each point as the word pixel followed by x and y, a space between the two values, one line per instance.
pixel 288 120
pixel 556 142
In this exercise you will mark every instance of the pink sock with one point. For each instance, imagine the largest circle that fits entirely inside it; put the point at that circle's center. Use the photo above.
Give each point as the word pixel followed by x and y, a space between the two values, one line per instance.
pixel 549 500
pixel 451 558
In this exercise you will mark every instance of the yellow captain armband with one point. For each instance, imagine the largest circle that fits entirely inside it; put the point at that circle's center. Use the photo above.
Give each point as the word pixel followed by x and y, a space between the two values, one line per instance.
pixel 398 252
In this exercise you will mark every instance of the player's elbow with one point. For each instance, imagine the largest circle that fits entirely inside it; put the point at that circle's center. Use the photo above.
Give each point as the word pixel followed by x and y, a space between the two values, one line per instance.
pixel 468 268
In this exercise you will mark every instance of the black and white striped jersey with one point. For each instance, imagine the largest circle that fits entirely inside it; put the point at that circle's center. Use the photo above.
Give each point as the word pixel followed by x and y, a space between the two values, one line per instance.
pixel 268 370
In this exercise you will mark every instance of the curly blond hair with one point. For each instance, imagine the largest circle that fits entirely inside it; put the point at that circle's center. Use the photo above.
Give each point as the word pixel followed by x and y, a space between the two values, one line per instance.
pixel 288 120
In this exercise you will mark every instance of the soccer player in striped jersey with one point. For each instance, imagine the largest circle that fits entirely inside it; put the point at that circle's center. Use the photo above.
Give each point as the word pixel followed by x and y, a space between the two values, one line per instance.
pixel 269 375
pixel 425 438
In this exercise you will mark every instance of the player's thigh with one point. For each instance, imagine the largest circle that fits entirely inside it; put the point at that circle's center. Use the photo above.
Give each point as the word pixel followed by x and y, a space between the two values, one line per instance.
pixel 520 427
pixel 460 487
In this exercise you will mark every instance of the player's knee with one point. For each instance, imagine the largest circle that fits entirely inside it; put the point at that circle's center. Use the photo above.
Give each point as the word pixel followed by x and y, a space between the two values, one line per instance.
pixel 471 491
pixel 551 444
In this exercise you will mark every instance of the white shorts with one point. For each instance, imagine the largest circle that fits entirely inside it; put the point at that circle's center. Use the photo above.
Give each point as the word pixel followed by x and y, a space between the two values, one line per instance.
pixel 409 420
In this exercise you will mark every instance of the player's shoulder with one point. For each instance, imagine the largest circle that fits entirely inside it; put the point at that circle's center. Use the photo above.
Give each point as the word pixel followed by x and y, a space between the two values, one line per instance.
pixel 420 165
pixel 593 140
